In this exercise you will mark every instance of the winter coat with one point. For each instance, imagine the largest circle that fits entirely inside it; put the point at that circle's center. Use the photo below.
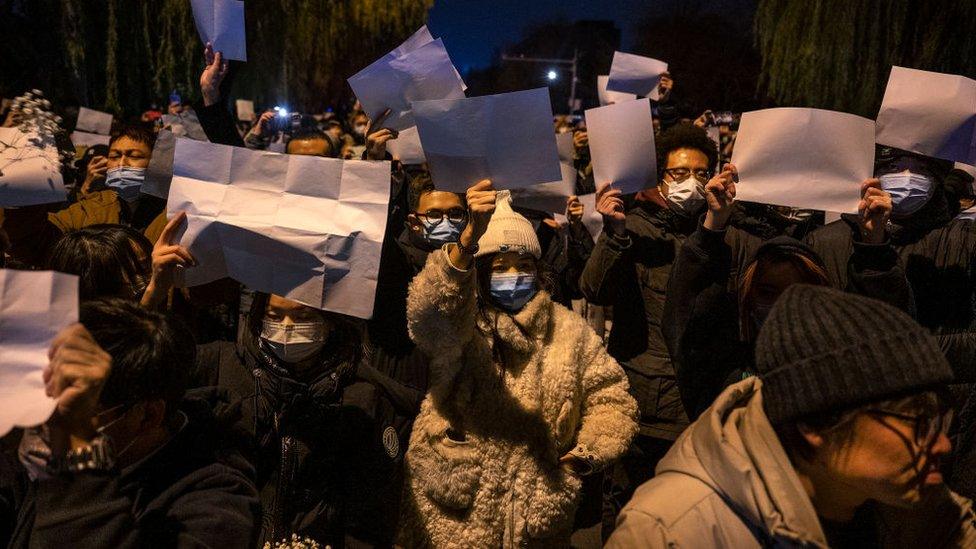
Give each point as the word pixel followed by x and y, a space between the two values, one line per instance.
pixel 482 468
pixel 565 251
pixel 191 492
pixel 701 315
pixel 633 279
pixel 727 482
pixel 325 463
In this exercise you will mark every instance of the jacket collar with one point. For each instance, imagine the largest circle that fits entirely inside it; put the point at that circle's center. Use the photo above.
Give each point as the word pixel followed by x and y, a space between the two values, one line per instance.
pixel 521 330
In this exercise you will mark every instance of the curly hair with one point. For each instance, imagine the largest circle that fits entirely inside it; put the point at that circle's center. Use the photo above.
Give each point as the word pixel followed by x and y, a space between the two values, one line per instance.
pixel 684 136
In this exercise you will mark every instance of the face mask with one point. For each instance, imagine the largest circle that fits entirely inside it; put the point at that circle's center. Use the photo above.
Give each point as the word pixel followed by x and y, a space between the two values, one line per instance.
pixel 798 215
pixel 126 181
pixel 685 197
pixel 293 342
pixel 909 191
pixel 359 129
pixel 438 233
pixel 512 291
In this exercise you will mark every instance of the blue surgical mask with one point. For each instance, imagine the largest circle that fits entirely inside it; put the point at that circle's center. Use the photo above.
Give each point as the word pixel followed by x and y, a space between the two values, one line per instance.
pixel 512 291
pixel 126 181
pixel 442 231
pixel 909 191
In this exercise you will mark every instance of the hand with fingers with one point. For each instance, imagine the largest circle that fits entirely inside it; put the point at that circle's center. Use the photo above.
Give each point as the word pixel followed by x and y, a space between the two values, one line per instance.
pixel 213 75
pixel 263 125
pixel 167 256
pixel 74 377
pixel 874 209
pixel 376 138
pixel 664 87
pixel 720 196
pixel 581 140
pixel 97 167
pixel 611 207
pixel 574 210
pixel 480 198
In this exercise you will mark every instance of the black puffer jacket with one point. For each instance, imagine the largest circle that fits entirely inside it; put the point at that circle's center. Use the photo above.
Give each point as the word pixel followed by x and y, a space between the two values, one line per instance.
pixel 324 450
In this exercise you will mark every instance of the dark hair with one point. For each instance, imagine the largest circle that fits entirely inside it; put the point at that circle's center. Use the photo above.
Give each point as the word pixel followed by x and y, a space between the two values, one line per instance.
pixel 314 134
pixel 105 259
pixel 138 133
pixel 346 339
pixel 684 136
pixel 420 185
pixel 152 355
pixel 838 427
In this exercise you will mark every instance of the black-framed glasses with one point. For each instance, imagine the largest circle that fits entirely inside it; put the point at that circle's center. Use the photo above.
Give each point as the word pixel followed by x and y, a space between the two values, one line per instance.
pixel 927 427
pixel 680 174
pixel 454 215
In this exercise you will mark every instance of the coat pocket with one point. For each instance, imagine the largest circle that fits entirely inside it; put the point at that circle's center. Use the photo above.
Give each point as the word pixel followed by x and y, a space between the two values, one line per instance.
pixel 448 469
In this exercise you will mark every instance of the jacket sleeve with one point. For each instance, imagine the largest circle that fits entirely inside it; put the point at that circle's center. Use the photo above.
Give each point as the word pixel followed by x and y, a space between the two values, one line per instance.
pixel 609 414
pixel 697 319
pixel 875 271
pixel 89 510
pixel 31 234
pixel 579 248
pixel 602 274
pixel 218 124
pixel 638 529
pixel 441 308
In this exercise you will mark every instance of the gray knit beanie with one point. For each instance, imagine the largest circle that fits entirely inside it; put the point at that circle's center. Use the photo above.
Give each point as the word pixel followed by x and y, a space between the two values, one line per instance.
pixel 824 350
pixel 508 231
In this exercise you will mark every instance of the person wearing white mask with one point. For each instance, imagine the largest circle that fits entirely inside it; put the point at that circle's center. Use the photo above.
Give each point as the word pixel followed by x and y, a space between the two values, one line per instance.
pixel 317 417
pixel 524 400
pixel 629 270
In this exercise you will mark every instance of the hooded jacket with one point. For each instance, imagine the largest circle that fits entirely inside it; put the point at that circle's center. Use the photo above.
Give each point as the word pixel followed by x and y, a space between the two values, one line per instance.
pixel 510 394
pixel 728 482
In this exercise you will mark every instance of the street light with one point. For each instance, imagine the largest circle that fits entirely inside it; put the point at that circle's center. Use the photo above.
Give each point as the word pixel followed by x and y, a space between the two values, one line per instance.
pixel 552 75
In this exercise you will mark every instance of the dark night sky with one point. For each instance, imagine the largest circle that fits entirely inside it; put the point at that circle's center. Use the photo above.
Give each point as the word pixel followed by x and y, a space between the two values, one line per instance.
pixel 474 29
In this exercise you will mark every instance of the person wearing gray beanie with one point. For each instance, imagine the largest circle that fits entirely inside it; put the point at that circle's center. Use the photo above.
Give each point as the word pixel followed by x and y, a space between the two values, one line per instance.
pixel 524 400
pixel 836 442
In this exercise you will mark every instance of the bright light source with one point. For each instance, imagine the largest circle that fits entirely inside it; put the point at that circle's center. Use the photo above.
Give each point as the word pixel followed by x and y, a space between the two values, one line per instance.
pixel 281 112
pixel 552 75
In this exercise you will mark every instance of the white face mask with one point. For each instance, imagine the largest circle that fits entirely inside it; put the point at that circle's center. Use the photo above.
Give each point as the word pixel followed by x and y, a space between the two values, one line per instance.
pixel 686 197
pixel 293 342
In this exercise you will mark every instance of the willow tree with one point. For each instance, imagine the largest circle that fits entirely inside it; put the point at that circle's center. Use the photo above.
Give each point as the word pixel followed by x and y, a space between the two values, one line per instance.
pixel 836 54
pixel 122 55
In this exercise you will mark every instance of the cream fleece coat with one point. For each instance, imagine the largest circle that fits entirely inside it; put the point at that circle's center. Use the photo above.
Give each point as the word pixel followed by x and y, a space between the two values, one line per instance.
pixel 483 468
pixel 727 482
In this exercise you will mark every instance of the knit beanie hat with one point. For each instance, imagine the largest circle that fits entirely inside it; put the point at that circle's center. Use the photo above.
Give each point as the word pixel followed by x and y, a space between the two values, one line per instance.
pixel 508 231
pixel 824 350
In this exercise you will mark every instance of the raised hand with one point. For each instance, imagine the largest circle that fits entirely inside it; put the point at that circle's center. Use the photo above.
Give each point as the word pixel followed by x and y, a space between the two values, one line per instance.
pixel 213 75
pixel 480 198
pixel 376 140
pixel 720 196
pixel 263 124
pixel 97 167
pixel 574 209
pixel 874 209
pixel 581 140
pixel 167 255
pixel 611 207
pixel 75 376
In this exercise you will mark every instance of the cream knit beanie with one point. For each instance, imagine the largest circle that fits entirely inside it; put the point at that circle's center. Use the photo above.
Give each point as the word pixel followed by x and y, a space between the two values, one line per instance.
pixel 508 231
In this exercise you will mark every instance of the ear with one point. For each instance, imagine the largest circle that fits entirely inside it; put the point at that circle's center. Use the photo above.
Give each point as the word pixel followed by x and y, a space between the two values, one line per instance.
pixel 414 223
pixel 813 438
pixel 153 414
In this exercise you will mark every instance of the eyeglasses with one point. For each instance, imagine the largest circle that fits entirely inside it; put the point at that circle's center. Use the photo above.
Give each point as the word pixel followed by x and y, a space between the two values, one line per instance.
pixel 454 215
pixel 927 427
pixel 679 174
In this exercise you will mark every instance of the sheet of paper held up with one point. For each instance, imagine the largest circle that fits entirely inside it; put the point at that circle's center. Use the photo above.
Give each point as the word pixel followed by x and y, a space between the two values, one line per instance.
pixel 245 109
pixel 419 69
pixel 406 147
pixel 30 170
pixel 635 74
pixel 221 22
pixel 608 97
pixel 803 158
pixel 304 227
pixel 507 138
pixel 93 121
pixel 85 139
pixel 160 170
pixel 929 113
pixel 622 145
pixel 548 197
pixel 592 219
pixel 34 307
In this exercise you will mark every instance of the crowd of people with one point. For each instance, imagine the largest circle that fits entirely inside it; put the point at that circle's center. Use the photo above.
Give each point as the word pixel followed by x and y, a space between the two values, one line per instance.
pixel 703 372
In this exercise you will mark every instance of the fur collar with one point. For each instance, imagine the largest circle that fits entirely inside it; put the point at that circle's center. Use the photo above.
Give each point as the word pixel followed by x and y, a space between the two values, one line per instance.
pixel 520 331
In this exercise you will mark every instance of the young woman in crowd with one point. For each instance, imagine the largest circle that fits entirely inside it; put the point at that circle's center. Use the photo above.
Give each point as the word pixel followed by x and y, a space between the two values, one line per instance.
pixel 524 400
